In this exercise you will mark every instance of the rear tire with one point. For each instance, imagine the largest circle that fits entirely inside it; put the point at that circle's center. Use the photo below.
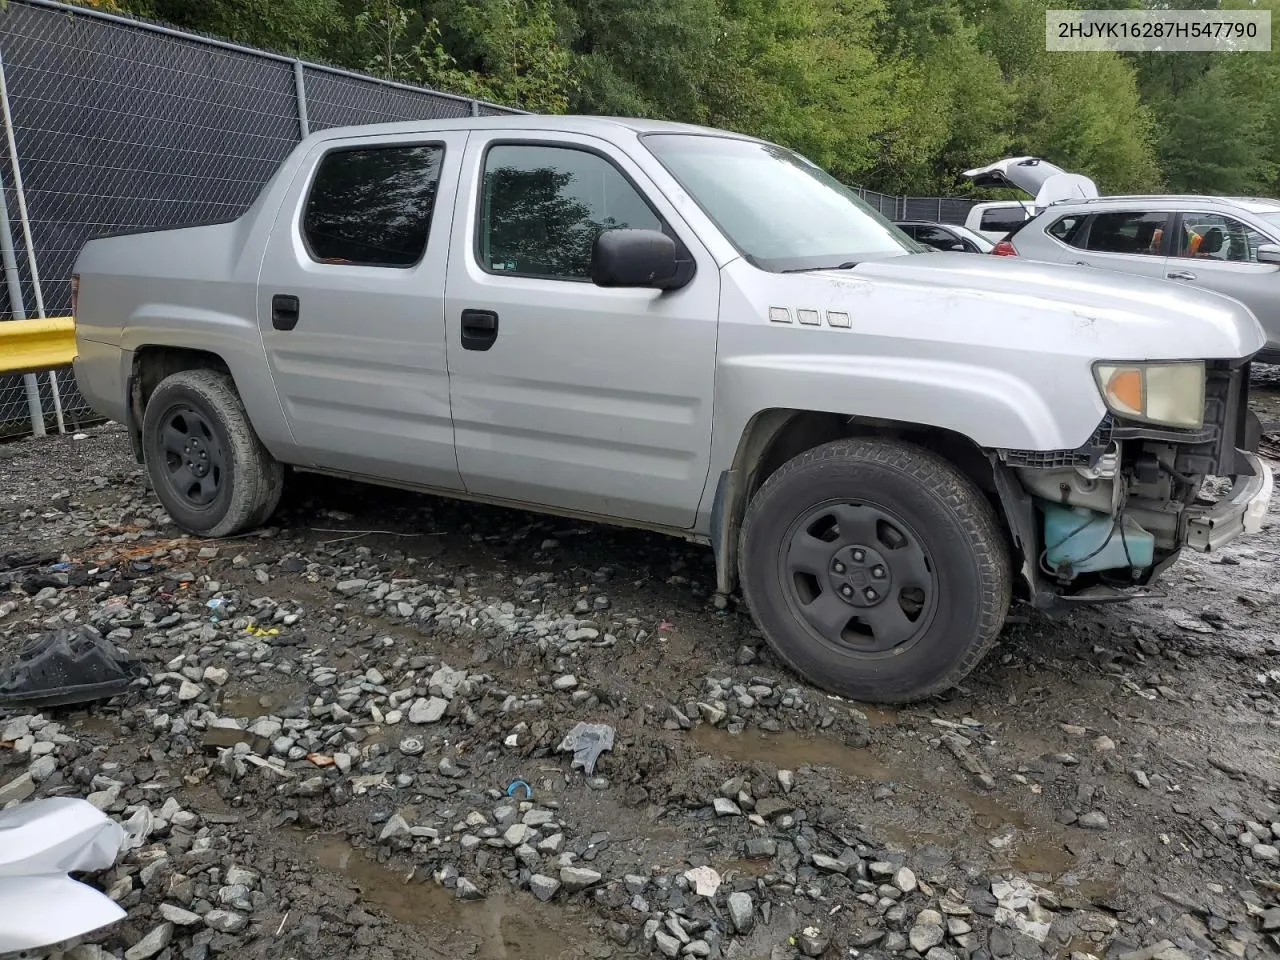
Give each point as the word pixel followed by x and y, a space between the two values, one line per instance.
pixel 876 570
pixel 205 461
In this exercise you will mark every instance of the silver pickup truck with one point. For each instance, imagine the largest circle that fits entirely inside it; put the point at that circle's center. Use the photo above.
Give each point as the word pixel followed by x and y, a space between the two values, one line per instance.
pixel 698 333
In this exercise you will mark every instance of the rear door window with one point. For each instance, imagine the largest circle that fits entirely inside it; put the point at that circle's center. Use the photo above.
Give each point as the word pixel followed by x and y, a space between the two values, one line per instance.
pixel 372 206
pixel 1212 236
pixel 1135 232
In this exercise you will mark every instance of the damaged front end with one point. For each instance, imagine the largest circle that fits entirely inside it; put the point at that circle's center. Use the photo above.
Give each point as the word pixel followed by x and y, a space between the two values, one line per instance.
pixel 1101 522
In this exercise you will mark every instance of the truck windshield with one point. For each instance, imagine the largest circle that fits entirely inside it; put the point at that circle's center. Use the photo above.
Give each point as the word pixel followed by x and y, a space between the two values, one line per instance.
pixel 780 210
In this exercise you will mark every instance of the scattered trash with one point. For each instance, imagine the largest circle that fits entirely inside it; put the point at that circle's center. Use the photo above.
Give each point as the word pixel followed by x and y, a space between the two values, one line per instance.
pixel 262 631
pixel 218 608
pixel 40 843
pixel 60 566
pixel 79 436
pixel 528 790
pixel 321 759
pixel 67 666
pixel 587 741
pixel 705 881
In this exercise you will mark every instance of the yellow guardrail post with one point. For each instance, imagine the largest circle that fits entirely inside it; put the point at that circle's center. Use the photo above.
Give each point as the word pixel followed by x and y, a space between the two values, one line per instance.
pixel 33 346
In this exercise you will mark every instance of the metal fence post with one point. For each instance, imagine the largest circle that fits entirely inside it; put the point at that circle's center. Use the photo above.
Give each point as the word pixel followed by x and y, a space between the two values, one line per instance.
pixel 19 310
pixel 25 217
pixel 475 108
pixel 300 85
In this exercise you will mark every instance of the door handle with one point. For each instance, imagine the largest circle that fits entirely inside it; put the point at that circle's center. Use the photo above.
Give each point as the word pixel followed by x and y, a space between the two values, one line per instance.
pixel 479 329
pixel 1180 275
pixel 284 311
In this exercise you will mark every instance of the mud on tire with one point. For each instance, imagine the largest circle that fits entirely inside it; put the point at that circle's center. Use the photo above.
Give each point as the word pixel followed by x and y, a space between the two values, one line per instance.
pixel 205 462
pixel 876 570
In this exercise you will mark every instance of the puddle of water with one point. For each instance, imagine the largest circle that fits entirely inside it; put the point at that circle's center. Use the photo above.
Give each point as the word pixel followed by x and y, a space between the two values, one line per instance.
pixel 500 927
pixel 97 723
pixel 250 706
pixel 790 750
pixel 1030 851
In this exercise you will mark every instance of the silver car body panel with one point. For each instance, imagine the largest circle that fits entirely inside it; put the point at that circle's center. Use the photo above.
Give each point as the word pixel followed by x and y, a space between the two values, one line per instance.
pixel 622 404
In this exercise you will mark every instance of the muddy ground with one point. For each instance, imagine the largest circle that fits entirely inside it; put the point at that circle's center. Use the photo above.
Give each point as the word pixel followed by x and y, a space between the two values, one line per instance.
pixel 318 758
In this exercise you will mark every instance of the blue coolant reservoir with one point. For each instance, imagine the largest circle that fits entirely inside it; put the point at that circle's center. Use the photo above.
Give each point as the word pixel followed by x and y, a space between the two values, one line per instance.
pixel 1073 533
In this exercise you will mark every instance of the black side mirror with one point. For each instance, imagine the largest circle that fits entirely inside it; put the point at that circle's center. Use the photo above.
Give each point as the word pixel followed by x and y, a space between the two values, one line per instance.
pixel 637 258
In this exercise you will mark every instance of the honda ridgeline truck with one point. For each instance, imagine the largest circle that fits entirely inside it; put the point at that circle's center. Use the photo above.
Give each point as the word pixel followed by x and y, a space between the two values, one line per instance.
pixel 693 332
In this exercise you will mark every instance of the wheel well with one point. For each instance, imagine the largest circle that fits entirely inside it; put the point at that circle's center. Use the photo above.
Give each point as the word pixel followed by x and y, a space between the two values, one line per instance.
pixel 151 364
pixel 775 436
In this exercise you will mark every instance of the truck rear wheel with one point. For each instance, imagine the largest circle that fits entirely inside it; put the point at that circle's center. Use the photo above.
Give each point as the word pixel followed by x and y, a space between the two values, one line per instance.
pixel 207 465
pixel 876 570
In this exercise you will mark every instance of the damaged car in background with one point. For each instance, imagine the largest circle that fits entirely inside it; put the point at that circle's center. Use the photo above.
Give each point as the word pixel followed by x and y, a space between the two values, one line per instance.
pixel 693 332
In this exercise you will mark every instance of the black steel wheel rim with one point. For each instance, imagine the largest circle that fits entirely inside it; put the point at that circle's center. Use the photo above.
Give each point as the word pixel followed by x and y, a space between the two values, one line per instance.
pixel 859 577
pixel 194 459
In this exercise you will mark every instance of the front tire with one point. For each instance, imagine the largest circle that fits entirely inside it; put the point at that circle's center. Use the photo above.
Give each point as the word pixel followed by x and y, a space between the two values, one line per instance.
pixel 876 570
pixel 206 463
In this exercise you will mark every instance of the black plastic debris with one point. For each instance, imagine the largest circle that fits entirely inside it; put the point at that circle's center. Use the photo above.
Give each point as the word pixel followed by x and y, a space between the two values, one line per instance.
pixel 587 741
pixel 67 666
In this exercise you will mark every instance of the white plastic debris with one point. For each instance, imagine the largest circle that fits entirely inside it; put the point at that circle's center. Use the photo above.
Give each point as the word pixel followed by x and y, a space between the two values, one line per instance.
pixel 40 843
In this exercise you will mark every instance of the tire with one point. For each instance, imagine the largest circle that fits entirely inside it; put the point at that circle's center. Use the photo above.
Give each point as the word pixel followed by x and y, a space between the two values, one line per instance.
pixel 206 463
pixel 922 564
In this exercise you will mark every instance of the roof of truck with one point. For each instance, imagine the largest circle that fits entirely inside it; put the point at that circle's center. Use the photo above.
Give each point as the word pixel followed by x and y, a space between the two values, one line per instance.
pixel 527 121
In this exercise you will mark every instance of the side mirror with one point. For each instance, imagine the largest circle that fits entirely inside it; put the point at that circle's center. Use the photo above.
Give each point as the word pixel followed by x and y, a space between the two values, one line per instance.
pixel 1269 253
pixel 636 258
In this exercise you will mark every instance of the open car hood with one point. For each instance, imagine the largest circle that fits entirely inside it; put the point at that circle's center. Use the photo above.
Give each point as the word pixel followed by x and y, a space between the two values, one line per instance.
pixel 1045 181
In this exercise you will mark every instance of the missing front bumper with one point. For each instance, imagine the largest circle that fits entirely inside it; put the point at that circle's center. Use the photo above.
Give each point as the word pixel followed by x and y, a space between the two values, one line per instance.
pixel 1241 511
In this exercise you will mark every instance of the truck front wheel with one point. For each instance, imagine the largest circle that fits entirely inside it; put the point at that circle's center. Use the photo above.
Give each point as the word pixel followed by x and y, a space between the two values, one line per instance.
pixel 876 570
pixel 207 465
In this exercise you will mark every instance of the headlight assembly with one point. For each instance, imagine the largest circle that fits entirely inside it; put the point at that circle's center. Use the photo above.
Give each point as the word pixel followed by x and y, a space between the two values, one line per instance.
pixel 1170 394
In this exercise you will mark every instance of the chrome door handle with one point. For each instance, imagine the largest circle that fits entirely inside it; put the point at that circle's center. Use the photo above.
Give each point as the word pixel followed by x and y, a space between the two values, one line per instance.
pixel 1181 275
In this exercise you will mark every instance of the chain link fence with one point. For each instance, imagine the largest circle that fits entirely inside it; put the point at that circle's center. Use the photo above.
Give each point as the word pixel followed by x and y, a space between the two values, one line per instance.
pixel 115 124
pixel 119 124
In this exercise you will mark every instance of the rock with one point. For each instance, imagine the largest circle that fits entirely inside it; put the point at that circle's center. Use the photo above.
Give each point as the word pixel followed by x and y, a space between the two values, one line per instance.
pixel 812 942
pixel 349 588
pixel 424 711
pixel 516 834
pixel 667 945
pixel 938 953
pixel 216 676
pixel 725 807
pixel 189 691
pixel 542 887
pixel 567 682
pixel 43 768
pixel 786 780
pixel 1103 743
pixel 741 912
pixel 957 927
pixel 905 880
pixel 18 788
pixel 151 944
pixel 759 848
pixel 396 826
pixel 178 916
pixel 578 878
pixel 705 880
pixel 466 890
pixel 1266 853
pixel 1094 820
pixel 1270 920
pixel 829 864
pixel 927 931
pixel 225 921
pixel 1141 780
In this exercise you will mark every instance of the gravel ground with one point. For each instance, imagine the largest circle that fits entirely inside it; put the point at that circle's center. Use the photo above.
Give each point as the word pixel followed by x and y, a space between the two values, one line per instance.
pixel 323 754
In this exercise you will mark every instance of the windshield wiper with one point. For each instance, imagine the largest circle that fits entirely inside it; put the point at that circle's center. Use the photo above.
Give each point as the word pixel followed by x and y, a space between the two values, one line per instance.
pixel 847 265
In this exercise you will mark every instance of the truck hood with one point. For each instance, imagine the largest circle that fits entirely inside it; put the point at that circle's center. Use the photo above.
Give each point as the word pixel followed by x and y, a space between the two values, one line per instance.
pixel 1141 318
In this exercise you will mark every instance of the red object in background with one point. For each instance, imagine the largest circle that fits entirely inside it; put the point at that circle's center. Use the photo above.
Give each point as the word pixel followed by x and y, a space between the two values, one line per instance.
pixel 1003 249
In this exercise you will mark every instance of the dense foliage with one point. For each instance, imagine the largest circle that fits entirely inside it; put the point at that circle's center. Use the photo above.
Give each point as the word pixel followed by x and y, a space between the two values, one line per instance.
pixel 899 95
